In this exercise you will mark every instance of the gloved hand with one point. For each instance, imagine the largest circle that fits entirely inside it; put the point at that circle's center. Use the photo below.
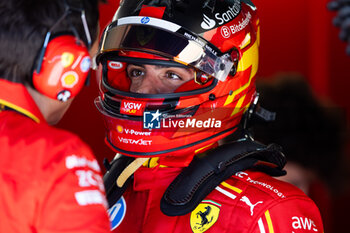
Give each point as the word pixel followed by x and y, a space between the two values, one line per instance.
pixel 342 19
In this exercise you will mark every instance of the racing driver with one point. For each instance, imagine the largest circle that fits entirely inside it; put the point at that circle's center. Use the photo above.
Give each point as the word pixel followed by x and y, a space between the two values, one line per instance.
pixel 176 77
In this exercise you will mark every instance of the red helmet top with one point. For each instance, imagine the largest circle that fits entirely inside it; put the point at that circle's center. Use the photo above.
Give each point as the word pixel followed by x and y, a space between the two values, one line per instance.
pixel 218 40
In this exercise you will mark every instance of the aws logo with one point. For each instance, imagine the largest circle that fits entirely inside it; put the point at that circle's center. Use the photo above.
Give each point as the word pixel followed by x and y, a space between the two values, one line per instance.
pixel 303 223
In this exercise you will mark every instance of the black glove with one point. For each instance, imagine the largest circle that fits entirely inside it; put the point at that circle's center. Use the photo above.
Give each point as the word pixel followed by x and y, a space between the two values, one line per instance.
pixel 342 19
pixel 114 169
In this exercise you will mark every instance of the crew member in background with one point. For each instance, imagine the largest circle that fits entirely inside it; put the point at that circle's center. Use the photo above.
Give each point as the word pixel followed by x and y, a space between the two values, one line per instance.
pixel 50 180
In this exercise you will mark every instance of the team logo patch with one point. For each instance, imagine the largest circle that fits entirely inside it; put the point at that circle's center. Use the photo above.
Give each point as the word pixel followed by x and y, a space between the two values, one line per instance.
pixel 69 79
pixel 204 216
pixel 67 59
pixel 117 213
pixel 85 64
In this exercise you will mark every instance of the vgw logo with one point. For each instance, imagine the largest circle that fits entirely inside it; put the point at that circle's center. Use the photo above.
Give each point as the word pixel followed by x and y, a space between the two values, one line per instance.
pixel 132 108
pixel 151 120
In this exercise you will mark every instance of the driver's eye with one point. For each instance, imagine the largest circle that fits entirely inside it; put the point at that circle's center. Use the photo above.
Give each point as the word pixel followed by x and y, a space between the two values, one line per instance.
pixel 134 73
pixel 173 76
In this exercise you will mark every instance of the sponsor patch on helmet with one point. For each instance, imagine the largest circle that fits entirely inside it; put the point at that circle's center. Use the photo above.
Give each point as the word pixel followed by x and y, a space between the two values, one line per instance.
pixel 117 213
pixel 120 129
pixel 225 32
pixel 69 79
pixel 204 216
pixel 67 59
pixel 207 22
pixel 115 65
pixel 132 108
pixel 145 20
pixel 85 64
pixel 228 15
pixel 228 31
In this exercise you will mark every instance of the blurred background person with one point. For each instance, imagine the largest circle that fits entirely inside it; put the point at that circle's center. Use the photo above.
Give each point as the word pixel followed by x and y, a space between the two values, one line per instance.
pixel 312 135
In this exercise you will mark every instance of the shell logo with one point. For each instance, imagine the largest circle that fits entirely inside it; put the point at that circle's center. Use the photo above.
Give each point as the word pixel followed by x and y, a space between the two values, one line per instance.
pixel 69 79
pixel 120 129
pixel 67 59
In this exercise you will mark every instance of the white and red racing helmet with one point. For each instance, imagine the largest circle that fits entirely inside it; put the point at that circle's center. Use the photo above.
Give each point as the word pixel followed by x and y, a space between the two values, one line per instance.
pixel 219 40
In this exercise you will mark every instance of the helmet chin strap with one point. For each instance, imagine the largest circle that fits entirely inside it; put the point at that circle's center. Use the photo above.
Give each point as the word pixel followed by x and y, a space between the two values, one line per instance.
pixel 129 170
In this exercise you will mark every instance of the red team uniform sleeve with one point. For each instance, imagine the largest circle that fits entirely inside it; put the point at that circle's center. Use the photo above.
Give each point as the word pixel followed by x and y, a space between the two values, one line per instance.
pixel 293 215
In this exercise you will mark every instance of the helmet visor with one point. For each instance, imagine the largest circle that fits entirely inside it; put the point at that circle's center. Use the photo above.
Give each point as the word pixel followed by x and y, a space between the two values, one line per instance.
pixel 168 77
pixel 168 40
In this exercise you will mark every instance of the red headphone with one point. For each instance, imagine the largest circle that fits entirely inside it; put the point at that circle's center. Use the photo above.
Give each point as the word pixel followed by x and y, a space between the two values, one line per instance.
pixel 64 62
pixel 63 68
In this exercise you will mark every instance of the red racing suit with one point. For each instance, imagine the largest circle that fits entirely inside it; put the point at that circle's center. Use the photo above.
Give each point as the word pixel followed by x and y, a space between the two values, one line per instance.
pixel 248 202
pixel 49 179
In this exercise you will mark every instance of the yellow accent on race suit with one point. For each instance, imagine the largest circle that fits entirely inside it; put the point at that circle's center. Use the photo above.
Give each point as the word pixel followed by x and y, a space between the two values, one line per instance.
pixel 237 190
pixel 21 110
pixel 269 221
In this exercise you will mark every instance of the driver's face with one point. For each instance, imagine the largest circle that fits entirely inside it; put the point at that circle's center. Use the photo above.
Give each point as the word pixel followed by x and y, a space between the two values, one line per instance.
pixel 152 79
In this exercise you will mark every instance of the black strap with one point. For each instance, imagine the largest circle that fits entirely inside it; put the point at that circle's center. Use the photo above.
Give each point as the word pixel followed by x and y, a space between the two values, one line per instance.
pixel 205 173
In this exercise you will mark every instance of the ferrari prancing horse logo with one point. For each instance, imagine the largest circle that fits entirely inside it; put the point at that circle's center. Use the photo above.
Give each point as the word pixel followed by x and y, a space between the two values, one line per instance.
pixel 204 216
